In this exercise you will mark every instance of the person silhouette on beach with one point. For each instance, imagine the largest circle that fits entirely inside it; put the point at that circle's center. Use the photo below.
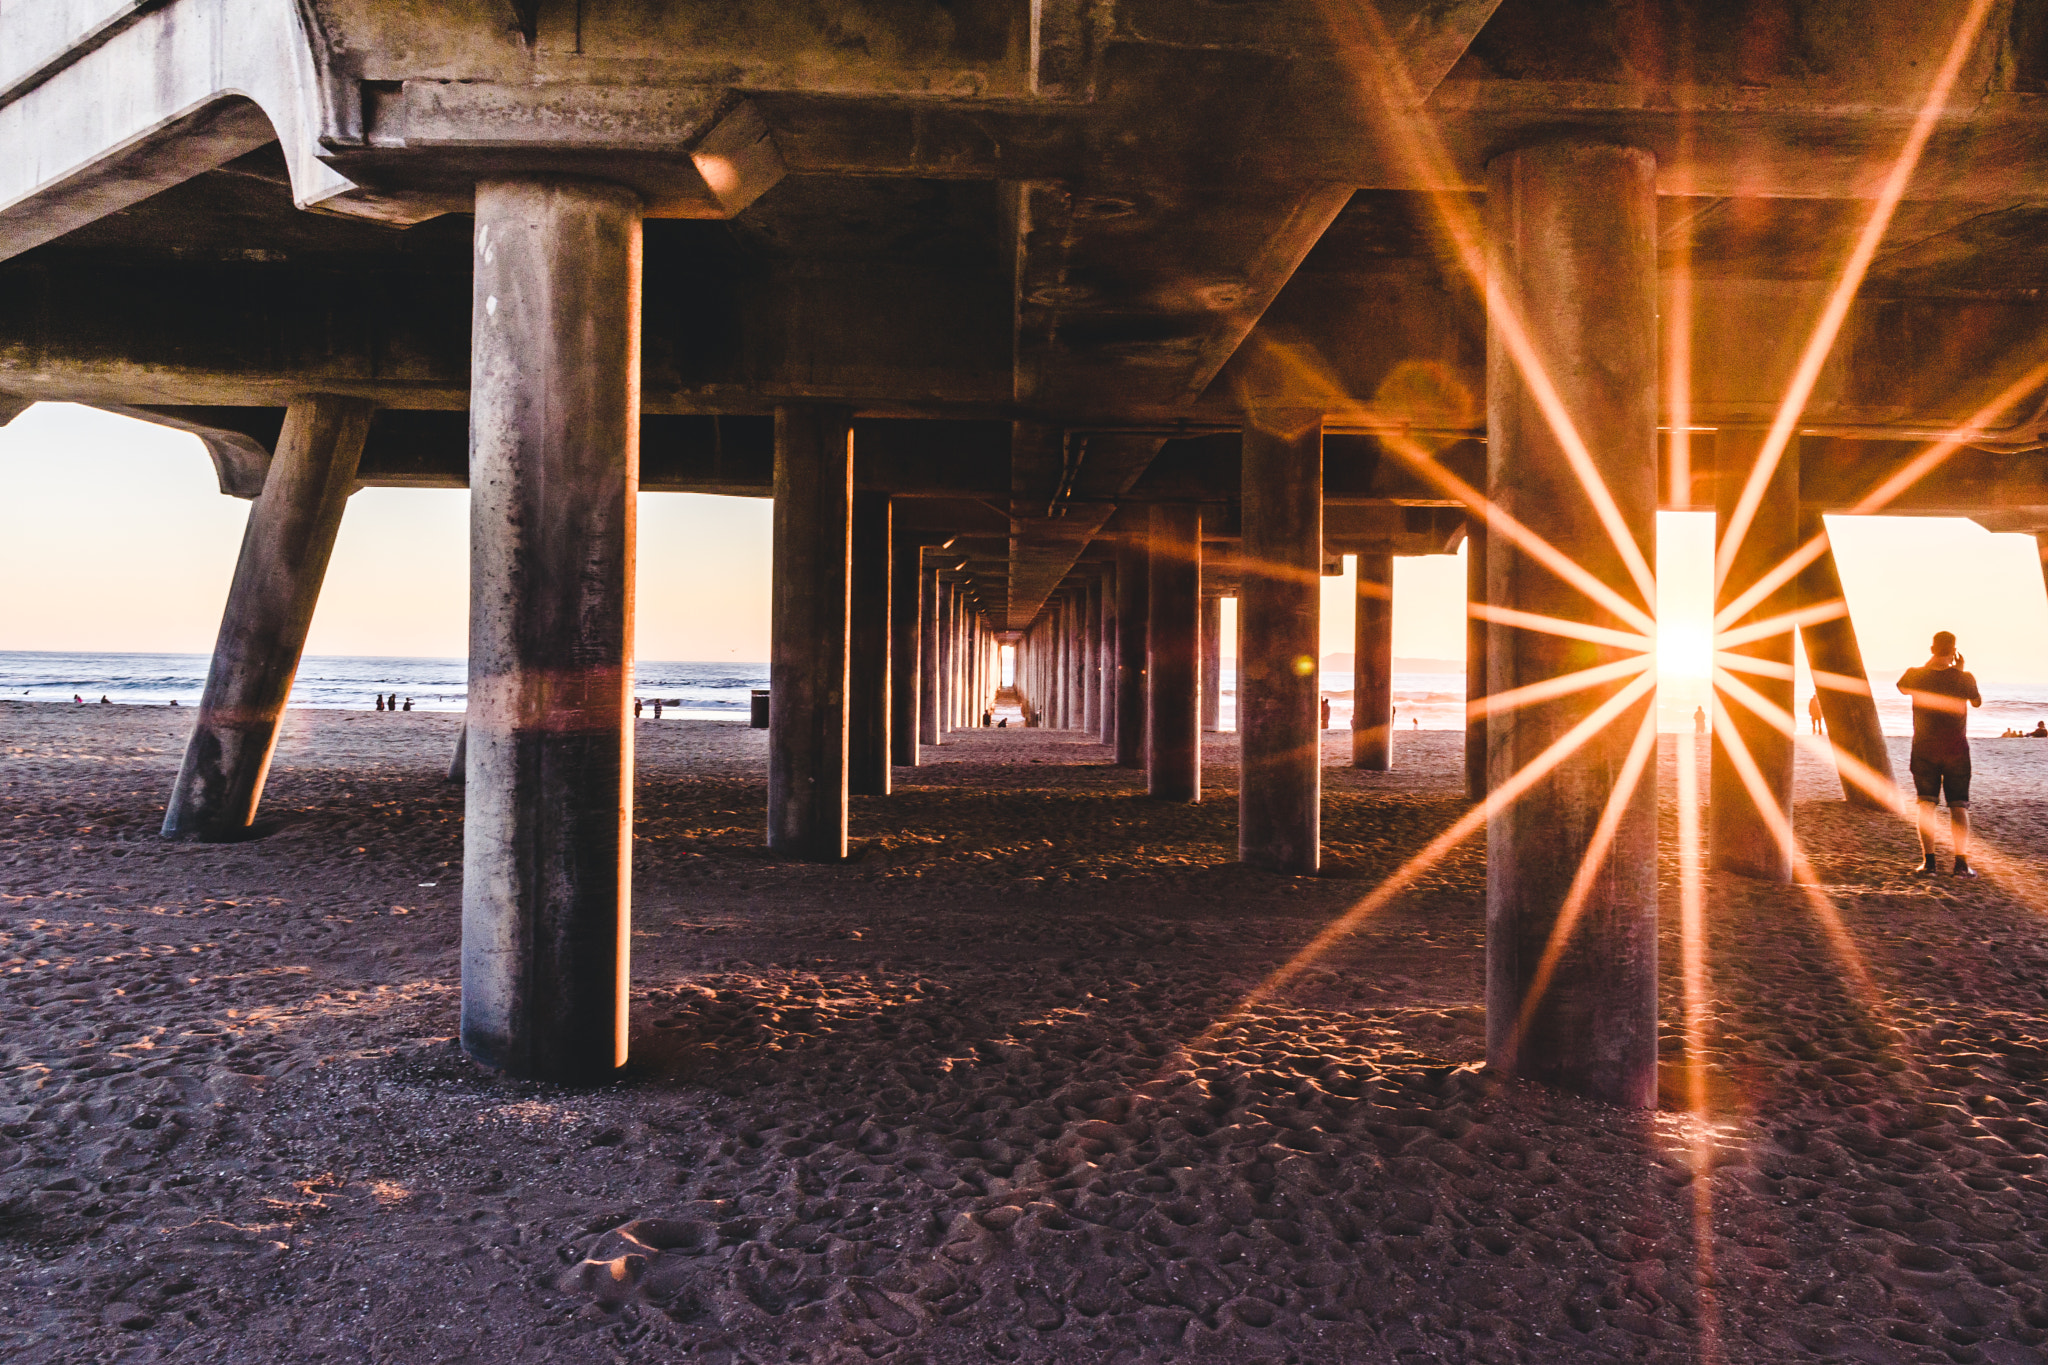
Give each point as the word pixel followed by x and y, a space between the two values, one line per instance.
pixel 1326 713
pixel 104 701
pixel 657 708
pixel 1699 722
pixel 636 708
pixel 408 703
pixel 2040 730
pixel 380 701
pixel 392 705
pixel 1813 713
pixel 1942 696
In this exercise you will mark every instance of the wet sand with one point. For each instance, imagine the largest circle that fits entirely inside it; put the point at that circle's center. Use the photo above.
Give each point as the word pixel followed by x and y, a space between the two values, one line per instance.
pixel 967 1097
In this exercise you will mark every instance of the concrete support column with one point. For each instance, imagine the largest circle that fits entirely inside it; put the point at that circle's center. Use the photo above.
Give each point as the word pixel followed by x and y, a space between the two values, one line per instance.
pixel 867 648
pixel 930 650
pixel 1173 733
pixel 1091 656
pixel 807 651
pixel 906 617
pixel 1832 652
pixel 1475 657
pixel 1133 620
pixel 1106 651
pixel 1212 665
pixel 1572 254
pixel 554 469
pixel 1741 835
pixel 949 645
pixel 1372 670
pixel 1279 622
pixel 285 547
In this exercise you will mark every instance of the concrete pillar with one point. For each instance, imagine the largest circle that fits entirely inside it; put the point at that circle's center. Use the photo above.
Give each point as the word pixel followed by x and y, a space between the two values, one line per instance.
pixel 949 645
pixel 1173 732
pixel 285 547
pixel 1133 619
pixel 1740 837
pixel 1572 252
pixel 930 651
pixel 867 648
pixel 554 470
pixel 1832 652
pixel 1212 665
pixel 1106 652
pixel 807 650
pixel 1475 657
pixel 1091 656
pixel 458 766
pixel 1372 671
pixel 906 617
pixel 1279 616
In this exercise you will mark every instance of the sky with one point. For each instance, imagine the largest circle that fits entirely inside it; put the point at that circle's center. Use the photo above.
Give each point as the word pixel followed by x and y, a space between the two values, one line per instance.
pixel 114 536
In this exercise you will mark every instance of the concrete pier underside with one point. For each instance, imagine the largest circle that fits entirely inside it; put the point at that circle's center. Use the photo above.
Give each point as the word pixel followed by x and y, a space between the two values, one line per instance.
pixel 1033 285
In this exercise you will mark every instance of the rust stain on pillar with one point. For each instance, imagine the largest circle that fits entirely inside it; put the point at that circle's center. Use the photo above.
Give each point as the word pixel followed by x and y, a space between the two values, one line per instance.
pixel 286 544
pixel 1372 667
pixel 808 636
pixel 1743 836
pixel 1572 251
pixel 1279 625
pixel 554 472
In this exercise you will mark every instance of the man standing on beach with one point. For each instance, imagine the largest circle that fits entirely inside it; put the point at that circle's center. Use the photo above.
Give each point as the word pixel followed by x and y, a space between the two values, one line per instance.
pixel 1942 696
pixel 1813 713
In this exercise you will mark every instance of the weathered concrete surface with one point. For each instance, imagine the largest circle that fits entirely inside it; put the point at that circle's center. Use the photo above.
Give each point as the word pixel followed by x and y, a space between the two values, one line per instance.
pixel 1572 999
pixel 1279 612
pixel 807 647
pixel 1372 673
pixel 1106 644
pixel 868 674
pixel 1847 707
pixel 1133 622
pixel 547 843
pixel 285 547
pixel 906 622
pixel 929 731
pixel 1173 729
pixel 1750 833
pixel 1091 653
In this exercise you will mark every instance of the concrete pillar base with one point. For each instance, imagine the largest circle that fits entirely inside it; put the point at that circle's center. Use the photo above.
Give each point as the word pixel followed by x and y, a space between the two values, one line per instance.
pixel 1279 702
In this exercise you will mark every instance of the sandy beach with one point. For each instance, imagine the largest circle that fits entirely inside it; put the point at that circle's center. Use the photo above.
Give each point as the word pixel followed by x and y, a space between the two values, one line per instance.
pixel 991 1089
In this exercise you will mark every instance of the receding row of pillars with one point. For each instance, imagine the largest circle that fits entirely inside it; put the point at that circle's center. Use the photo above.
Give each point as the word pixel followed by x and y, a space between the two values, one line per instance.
pixel 878 643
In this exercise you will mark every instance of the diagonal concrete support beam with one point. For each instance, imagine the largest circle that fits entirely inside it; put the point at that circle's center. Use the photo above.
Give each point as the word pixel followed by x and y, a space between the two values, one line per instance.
pixel 285 548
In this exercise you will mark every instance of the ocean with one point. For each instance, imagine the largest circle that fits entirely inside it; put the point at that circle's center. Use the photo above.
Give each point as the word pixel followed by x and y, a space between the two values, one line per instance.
pixel 719 691
pixel 699 690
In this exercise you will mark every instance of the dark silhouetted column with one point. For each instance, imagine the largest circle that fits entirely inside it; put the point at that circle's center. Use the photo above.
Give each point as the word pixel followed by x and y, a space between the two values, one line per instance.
pixel 1475 657
pixel 285 547
pixel 1742 836
pixel 1279 633
pixel 1133 615
pixel 1846 703
pixel 1107 647
pixel 906 620
pixel 1372 670
pixel 1173 733
pixel 867 649
pixel 554 469
pixel 1572 253
pixel 1091 656
pixel 930 651
pixel 808 636
pixel 1212 664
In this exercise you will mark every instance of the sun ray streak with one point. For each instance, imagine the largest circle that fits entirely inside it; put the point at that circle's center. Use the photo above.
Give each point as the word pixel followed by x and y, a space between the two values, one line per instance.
pixel 1562 686
pixel 1829 325
pixel 1434 851
pixel 1501 524
pixel 1557 625
pixel 1781 624
pixel 1590 868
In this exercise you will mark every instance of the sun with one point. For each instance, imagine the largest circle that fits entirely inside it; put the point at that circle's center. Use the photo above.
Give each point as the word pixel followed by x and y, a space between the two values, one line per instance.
pixel 1685 649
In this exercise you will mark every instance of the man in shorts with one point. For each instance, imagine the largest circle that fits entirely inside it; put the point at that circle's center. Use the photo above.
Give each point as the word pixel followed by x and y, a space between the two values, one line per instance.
pixel 1942 696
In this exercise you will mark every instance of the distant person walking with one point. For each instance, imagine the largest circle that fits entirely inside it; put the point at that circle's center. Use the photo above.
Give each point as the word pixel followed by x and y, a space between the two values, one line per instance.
pixel 1326 713
pixel 636 708
pixel 657 708
pixel 1813 714
pixel 392 705
pixel 1699 722
pixel 1942 696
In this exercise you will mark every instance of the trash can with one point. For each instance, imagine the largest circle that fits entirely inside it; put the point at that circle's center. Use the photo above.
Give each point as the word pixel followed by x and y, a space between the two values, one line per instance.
pixel 760 708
